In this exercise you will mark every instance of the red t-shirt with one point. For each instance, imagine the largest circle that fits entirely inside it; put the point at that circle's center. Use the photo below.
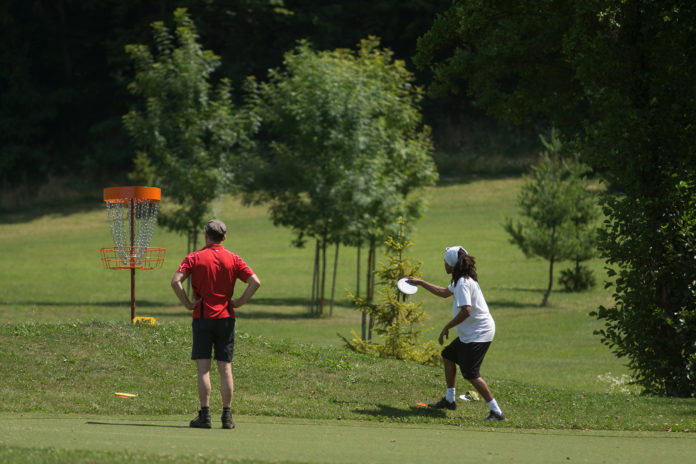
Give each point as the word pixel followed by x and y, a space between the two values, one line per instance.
pixel 213 272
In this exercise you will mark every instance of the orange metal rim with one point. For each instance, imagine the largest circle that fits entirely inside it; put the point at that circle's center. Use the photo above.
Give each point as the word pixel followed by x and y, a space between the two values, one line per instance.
pixel 137 193
pixel 141 258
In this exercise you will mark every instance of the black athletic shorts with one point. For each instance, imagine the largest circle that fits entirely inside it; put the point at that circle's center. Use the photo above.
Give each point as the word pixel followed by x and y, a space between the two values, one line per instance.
pixel 209 333
pixel 468 356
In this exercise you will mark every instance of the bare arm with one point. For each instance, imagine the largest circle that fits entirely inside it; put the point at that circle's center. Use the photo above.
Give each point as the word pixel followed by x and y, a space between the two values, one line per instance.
pixel 464 312
pixel 253 284
pixel 436 290
pixel 177 281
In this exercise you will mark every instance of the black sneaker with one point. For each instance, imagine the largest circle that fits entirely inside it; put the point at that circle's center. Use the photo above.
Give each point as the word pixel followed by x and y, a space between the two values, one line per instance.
pixel 492 417
pixel 201 422
pixel 227 422
pixel 444 404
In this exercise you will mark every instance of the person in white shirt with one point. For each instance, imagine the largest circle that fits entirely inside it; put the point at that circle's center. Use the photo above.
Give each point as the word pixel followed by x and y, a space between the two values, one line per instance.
pixel 475 329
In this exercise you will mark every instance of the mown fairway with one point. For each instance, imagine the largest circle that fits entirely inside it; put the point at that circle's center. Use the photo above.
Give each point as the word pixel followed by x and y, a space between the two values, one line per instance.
pixel 67 345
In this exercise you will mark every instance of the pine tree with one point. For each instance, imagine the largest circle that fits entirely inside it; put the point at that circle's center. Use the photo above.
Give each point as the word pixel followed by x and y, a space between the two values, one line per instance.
pixel 396 319
pixel 557 212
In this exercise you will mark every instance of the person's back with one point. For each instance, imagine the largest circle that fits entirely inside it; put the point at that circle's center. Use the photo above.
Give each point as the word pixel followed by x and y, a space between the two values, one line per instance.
pixel 214 271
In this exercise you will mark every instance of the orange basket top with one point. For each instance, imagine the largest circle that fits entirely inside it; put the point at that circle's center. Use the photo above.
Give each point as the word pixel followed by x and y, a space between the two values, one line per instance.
pixel 127 193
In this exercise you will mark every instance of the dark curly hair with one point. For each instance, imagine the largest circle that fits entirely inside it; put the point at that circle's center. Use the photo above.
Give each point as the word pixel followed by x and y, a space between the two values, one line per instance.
pixel 465 267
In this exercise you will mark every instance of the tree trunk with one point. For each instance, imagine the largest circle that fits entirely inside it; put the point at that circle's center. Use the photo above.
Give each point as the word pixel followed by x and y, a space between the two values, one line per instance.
pixel 371 284
pixel 333 282
pixel 322 277
pixel 552 258
pixel 357 280
pixel 366 335
pixel 188 251
pixel 545 301
pixel 315 280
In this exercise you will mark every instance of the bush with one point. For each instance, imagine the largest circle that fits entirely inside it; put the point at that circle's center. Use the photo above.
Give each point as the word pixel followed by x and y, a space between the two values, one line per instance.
pixel 576 280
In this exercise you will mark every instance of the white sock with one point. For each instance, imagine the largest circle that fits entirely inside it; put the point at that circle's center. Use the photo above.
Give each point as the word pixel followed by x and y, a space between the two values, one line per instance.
pixel 493 404
pixel 451 392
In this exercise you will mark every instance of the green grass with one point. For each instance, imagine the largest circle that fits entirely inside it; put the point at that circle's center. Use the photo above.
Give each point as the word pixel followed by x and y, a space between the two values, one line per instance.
pixel 158 439
pixel 67 345
pixel 75 368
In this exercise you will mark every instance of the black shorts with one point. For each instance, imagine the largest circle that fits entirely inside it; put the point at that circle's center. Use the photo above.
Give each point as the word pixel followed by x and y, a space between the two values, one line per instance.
pixel 209 333
pixel 468 356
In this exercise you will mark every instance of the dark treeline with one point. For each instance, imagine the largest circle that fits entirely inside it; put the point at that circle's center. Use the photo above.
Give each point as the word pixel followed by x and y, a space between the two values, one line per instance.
pixel 64 73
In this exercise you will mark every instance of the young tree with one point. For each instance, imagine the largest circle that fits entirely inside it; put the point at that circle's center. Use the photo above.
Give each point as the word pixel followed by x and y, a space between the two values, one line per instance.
pixel 616 78
pixel 342 147
pixel 189 136
pixel 397 319
pixel 554 203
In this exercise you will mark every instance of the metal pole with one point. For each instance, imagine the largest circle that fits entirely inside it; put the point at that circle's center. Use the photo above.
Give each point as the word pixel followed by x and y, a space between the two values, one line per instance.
pixel 132 256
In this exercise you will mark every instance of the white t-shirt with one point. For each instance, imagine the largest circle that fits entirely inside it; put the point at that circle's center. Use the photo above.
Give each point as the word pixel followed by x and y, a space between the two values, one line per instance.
pixel 479 326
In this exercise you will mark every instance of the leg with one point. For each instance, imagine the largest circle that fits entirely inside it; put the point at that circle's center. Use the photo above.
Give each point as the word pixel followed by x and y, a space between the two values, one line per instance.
pixel 203 366
pixel 226 383
pixel 449 401
pixel 482 387
pixel 450 372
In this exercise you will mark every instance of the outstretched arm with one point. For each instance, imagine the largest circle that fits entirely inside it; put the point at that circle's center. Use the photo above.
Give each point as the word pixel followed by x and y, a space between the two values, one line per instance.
pixel 253 284
pixel 436 290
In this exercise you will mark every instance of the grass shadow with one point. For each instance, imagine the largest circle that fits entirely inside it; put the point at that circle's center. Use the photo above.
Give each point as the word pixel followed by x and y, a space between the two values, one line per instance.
pixel 278 316
pixel 383 410
pixel 73 304
pixel 23 214
pixel 297 302
pixel 512 304
pixel 138 425
pixel 286 303
pixel 540 291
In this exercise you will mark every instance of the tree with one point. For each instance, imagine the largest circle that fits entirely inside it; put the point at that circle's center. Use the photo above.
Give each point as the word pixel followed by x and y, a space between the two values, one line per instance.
pixel 342 147
pixel 188 136
pixel 616 78
pixel 397 319
pixel 554 203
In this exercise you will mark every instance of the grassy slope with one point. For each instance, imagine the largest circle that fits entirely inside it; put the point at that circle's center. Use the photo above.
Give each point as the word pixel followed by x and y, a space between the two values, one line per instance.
pixel 77 368
pixel 546 367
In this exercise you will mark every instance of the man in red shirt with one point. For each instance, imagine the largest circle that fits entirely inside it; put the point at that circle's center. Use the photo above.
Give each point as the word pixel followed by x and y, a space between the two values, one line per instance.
pixel 213 271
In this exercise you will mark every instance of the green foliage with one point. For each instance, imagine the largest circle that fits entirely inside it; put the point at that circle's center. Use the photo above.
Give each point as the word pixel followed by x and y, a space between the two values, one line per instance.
pixel 189 136
pixel 504 55
pixel 343 148
pixel 653 323
pixel 396 318
pixel 616 78
pixel 558 212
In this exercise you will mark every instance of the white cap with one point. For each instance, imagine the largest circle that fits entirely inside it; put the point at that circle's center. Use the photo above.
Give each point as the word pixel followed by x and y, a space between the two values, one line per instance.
pixel 452 255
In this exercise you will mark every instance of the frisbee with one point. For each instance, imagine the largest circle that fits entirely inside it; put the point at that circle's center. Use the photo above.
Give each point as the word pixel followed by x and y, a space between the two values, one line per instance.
pixel 421 404
pixel 405 287
pixel 125 395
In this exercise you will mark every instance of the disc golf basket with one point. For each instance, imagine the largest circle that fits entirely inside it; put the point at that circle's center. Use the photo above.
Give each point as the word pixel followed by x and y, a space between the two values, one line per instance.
pixel 132 213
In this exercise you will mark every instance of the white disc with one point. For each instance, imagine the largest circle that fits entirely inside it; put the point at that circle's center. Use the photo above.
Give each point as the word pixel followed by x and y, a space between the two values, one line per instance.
pixel 405 287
